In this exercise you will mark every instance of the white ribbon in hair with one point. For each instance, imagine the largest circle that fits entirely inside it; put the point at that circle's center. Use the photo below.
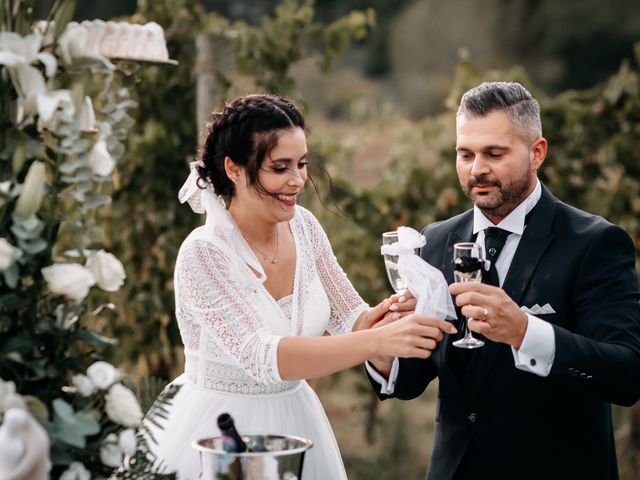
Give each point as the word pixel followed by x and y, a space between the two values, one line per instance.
pixel 206 200
pixel 425 282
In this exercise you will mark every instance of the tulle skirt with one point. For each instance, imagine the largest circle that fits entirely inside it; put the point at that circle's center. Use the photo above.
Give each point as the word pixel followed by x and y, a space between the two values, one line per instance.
pixel 298 412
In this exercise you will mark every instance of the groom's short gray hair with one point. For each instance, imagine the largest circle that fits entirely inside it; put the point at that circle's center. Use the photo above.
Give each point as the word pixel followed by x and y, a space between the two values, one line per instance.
pixel 510 97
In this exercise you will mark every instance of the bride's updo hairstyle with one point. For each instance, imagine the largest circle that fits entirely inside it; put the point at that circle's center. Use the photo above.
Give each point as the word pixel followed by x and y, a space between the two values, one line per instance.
pixel 245 131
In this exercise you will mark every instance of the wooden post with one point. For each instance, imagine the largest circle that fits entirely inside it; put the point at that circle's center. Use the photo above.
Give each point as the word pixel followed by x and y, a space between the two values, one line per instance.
pixel 208 88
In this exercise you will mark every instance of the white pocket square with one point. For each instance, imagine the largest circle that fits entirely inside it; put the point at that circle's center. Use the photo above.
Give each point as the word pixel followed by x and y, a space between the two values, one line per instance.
pixel 538 310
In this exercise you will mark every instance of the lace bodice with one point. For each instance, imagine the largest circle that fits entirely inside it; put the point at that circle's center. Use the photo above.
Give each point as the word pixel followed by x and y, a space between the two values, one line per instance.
pixel 231 325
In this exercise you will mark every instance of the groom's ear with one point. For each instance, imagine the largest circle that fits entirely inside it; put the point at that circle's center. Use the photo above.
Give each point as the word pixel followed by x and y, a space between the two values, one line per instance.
pixel 538 152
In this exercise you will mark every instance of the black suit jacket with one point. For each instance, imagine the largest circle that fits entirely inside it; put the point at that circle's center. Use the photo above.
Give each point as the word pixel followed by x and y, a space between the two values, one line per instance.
pixel 524 426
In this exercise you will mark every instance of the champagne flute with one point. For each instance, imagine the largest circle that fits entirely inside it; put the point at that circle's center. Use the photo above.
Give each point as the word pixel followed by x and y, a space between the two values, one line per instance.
pixel 468 260
pixel 391 263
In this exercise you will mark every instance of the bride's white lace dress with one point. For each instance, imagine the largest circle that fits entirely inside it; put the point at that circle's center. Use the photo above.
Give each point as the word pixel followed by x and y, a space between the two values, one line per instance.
pixel 231 326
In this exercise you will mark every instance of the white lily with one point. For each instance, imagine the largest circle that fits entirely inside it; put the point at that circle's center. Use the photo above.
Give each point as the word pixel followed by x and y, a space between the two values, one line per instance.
pixel 48 104
pixel 16 49
pixel 18 53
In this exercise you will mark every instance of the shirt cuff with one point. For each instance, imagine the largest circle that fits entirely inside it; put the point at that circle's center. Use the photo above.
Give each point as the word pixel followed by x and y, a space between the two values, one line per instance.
pixel 387 387
pixel 538 348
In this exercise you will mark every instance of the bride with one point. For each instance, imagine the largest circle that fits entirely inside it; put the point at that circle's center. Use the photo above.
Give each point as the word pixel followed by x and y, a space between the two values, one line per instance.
pixel 257 287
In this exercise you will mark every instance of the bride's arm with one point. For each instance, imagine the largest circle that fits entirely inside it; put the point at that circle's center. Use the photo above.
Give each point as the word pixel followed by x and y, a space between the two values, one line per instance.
pixel 413 336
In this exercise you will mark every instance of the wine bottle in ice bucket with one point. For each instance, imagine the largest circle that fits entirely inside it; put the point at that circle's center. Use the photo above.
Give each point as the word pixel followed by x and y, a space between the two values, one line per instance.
pixel 232 440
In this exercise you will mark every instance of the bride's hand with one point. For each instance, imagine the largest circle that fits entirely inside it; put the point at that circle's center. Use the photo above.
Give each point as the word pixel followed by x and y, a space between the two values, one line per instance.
pixel 414 336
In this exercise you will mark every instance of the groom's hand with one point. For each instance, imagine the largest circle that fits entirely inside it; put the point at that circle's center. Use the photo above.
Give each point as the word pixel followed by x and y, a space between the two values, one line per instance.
pixel 491 312
pixel 389 310
pixel 372 316
pixel 402 303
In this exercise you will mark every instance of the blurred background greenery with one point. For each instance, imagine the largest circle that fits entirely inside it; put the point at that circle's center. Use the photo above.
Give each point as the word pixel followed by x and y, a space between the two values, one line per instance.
pixel 382 124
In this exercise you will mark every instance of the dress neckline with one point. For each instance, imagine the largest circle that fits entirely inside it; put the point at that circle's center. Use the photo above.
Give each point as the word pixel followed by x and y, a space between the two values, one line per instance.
pixel 296 246
pixel 284 300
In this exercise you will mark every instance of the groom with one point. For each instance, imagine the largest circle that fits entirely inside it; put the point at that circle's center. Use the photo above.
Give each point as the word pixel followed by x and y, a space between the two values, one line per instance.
pixel 558 312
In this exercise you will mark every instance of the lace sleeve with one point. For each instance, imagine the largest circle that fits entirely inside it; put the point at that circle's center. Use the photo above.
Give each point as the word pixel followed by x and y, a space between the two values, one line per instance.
pixel 346 303
pixel 209 292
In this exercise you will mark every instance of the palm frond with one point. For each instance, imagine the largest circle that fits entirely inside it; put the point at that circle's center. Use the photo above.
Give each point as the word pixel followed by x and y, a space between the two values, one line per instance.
pixel 144 465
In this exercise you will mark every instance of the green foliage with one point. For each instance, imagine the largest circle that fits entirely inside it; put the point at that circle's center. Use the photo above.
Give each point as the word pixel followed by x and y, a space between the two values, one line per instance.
pixel 595 142
pixel 149 389
pixel 267 51
pixel 71 427
pixel 62 13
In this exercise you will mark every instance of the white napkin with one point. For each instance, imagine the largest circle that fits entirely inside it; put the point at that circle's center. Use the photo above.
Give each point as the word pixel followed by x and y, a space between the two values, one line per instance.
pixel 425 282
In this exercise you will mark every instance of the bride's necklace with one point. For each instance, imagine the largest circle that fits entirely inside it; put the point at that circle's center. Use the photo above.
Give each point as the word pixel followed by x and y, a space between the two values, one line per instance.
pixel 271 260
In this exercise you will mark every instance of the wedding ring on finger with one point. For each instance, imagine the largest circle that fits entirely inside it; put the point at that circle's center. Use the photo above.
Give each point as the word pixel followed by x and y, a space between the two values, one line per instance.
pixel 485 313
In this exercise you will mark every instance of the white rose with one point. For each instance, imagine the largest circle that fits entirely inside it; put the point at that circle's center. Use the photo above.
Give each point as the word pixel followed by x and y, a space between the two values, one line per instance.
pixel 100 160
pixel 69 279
pixel 122 406
pixel 107 270
pixel 32 190
pixel 7 390
pixel 110 453
pixel 102 374
pixel 127 442
pixel 8 254
pixel 83 384
pixel 76 471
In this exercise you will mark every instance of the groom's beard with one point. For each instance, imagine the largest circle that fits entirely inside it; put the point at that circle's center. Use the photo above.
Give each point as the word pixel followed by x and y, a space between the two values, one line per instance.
pixel 504 199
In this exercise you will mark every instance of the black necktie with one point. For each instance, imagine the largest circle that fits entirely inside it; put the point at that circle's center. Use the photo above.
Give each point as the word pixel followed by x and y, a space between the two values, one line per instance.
pixel 494 240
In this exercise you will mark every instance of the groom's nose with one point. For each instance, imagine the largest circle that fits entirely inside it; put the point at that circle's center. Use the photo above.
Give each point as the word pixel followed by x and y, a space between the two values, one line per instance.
pixel 480 166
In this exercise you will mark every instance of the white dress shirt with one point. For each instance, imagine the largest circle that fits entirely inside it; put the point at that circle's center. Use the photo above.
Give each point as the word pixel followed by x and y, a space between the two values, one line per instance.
pixel 538 348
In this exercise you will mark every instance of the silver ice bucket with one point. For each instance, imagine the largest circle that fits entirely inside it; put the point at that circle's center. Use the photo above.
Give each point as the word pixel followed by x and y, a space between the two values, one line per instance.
pixel 282 459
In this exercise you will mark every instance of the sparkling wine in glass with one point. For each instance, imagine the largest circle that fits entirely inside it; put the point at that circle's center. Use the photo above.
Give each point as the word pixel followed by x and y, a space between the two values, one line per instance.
pixel 391 263
pixel 468 261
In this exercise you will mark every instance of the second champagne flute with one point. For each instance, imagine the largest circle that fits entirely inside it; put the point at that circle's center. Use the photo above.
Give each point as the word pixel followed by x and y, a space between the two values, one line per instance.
pixel 391 263
pixel 468 262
